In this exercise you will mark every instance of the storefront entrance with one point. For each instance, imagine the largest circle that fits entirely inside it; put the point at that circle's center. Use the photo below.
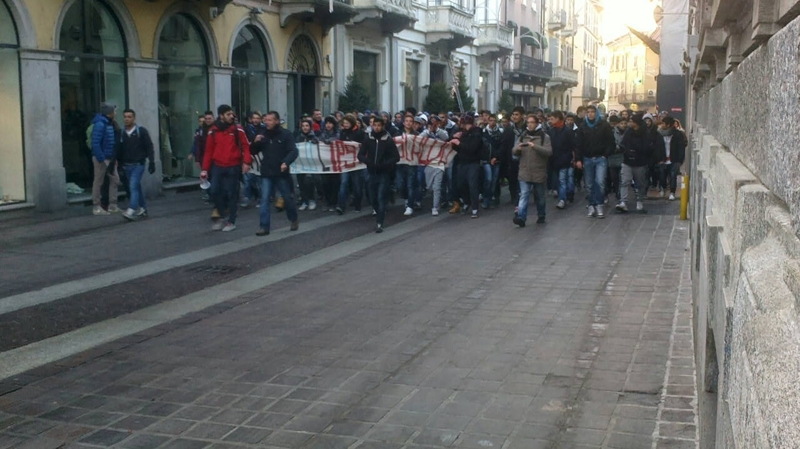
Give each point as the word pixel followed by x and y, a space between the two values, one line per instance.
pixel 302 83
pixel 12 159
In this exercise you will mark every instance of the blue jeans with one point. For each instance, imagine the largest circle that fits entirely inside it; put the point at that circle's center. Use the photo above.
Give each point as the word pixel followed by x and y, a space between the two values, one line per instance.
pixel 250 186
pixel 378 189
pixel 491 174
pixel 225 189
pixel 421 184
pixel 594 176
pixel 406 179
pixel 356 178
pixel 566 183
pixel 134 173
pixel 669 172
pixel 539 190
pixel 283 184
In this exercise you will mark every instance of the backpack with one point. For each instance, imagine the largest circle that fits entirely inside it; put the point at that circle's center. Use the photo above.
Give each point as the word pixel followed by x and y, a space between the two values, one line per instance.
pixel 89 131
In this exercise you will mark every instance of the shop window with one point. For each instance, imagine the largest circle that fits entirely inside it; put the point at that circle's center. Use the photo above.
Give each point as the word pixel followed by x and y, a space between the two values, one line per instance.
pixel 249 79
pixel 365 69
pixel 412 87
pixel 12 168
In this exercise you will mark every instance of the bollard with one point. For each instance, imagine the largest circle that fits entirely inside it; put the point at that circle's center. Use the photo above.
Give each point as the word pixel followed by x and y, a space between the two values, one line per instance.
pixel 684 196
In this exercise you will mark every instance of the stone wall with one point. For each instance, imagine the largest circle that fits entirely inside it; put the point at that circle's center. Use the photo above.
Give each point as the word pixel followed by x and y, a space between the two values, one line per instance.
pixel 745 222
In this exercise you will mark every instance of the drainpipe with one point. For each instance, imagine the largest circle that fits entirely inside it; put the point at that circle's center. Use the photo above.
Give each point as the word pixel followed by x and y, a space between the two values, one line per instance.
pixel 392 79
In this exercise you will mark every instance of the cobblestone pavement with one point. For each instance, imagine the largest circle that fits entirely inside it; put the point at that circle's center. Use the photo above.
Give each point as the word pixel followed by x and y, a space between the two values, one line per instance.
pixel 464 333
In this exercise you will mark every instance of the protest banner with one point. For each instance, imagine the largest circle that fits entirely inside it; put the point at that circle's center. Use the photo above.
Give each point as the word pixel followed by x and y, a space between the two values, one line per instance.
pixel 341 157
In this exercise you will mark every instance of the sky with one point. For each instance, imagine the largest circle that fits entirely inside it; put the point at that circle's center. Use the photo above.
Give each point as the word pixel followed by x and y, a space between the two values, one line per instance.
pixel 617 14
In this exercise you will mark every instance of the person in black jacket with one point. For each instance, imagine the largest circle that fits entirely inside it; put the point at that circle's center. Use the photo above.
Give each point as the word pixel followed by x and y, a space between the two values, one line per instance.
pixel 468 144
pixel 675 149
pixel 511 138
pixel 135 147
pixel 351 133
pixel 637 150
pixel 379 153
pixel 565 145
pixel 495 154
pixel 310 185
pixel 278 150
pixel 595 144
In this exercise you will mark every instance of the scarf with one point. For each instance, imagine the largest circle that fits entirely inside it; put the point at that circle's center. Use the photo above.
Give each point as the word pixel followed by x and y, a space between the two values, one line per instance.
pixel 592 124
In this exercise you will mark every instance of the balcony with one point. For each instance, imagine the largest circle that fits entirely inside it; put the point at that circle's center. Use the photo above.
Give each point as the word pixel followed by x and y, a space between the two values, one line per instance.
pixel 494 40
pixel 317 11
pixel 590 93
pixel 557 20
pixel 522 66
pixel 391 16
pixel 449 24
pixel 564 77
pixel 638 98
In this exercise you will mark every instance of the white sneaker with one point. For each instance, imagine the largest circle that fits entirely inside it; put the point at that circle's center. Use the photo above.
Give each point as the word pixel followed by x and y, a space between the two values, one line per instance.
pixel 99 211
pixel 142 212
pixel 639 206
pixel 218 225
pixel 435 212
pixel 672 197
pixel 592 212
pixel 312 205
pixel 229 227
pixel 622 207
pixel 409 211
pixel 374 212
pixel 661 193
pixel 561 204
pixel 303 206
pixel 114 209
pixel 599 210
pixel 129 214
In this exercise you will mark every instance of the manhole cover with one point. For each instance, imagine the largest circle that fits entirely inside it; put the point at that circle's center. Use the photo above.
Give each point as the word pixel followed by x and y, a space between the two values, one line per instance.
pixel 213 269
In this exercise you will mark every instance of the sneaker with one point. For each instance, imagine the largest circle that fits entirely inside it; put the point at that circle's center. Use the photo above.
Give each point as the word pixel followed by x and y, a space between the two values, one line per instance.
pixel 540 220
pixel 262 232
pixel 622 207
pixel 215 214
pixel 244 204
pixel 218 225
pixel 554 193
pixel 409 211
pixel 114 209
pixel 279 203
pixel 661 193
pixel 229 227
pixel 312 205
pixel 339 210
pixel 599 210
pixel 561 204
pixel 592 212
pixel 379 229
pixel 485 205
pixel 639 206
pixel 571 197
pixel 374 213
pixel 474 213
pixel 302 207
pixel 672 197
pixel 417 206
pixel 435 212
pixel 142 212
pixel 519 222
pixel 295 226
pixel 129 214
pixel 97 210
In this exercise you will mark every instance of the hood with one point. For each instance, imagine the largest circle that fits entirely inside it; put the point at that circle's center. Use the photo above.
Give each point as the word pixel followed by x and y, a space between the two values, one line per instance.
pixel 98 118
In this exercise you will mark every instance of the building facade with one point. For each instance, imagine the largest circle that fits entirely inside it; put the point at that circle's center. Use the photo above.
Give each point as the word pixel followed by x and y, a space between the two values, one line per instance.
pixel 633 70
pixel 526 71
pixel 588 43
pixel 170 60
pixel 562 27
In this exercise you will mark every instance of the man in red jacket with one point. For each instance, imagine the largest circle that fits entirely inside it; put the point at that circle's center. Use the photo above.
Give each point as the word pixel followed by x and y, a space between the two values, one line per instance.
pixel 227 156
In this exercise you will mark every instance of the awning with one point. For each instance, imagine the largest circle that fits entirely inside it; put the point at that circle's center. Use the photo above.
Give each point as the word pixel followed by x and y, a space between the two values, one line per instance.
pixel 512 24
pixel 531 40
pixel 542 40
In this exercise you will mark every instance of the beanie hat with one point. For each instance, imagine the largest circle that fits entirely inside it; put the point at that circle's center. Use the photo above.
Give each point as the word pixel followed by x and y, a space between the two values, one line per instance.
pixel 648 116
pixel 467 119
pixel 223 109
pixel 107 108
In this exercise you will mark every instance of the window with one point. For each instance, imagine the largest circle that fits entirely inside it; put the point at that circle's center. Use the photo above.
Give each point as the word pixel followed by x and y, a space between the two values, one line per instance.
pixel 12 170
pixel 366 71
pixel 412 88
pixel 249 78
pixel 437 73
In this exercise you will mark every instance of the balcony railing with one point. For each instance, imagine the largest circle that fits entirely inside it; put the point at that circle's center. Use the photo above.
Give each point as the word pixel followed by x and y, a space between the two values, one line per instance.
pixel 557 21
pixel 403 7
pixel 590 92
pixel 530 66
pixel 494 38
pixel 451 18
pixel 635 98
pixel 565 75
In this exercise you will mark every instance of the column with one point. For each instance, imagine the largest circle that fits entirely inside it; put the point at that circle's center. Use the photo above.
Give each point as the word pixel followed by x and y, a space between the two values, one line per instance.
pixel 219 81
pixel 278 95
pixel 45 177
pixel 143 98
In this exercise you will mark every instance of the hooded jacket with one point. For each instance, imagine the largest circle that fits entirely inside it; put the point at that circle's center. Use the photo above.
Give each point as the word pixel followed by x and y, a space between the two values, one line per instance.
pixel 278 147
pixel 596 139
pixel 351 135
pixel 677 145
pixel 637 147
pixel 533 158
pixel 326 136
pixel 103 138
pixel 564 144
pixel 226 146
pixel 470 149
pixel 379 153
pixel 493 143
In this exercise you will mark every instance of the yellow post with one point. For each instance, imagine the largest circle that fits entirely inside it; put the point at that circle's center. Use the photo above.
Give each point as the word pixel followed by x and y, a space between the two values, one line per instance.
pixel 684 197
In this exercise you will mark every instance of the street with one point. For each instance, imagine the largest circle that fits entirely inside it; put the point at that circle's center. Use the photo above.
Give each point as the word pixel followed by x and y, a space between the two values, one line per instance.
pixel 440 332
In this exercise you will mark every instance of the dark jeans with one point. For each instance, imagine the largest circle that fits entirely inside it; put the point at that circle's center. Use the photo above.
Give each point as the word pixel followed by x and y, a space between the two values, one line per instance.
pixel 669 171
pixel 250 187
pixel 513 180
pixel 469 176
pixel 378 190
pixel 134 174
pixel 225 188
pixel 283 185
pixel 614 180
pixel 356 179
pixel 330 188
pixel 406 179
pixel 310 187
pixel 491 176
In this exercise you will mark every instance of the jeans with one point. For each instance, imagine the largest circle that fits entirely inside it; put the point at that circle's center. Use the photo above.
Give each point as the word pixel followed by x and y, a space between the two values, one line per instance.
pixel 379 188
pixel 225 187
pixel 434 176
pixel 594 174
pixel 635 174
pixel 566 183
pixel 539 190
pixel 672 171
pixel 421 184
pixel 469 176
pixel 513 179
pixel 310 187
pixel 250 186
pixel 451 172
pixel 406 179
pixel 356 178
pixel 134 173
pixel 283 185
pixel 614 180
pixel 491 175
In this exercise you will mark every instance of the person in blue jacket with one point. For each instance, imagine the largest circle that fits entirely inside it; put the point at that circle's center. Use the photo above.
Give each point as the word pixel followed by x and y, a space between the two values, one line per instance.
pixel 103 139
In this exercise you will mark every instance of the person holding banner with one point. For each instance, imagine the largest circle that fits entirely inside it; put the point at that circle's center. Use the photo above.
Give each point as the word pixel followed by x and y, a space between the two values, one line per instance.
pixel 310 185
pixel 351 133
pixel 278 151
pixel 468 144
pixel 379 153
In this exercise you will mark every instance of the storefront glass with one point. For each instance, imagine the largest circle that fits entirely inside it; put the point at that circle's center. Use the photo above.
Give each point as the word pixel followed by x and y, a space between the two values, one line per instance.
pixel 365 70
pixel 411 87
pixel 182 93
pixel 12 161
pixel 93 71
pixel 249 79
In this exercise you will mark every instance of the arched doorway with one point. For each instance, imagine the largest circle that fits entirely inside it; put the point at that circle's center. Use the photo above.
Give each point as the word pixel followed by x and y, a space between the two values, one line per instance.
pixel 93 71
pixel 302 83
pixel 249 79
pixel 12 168
pixel 182 93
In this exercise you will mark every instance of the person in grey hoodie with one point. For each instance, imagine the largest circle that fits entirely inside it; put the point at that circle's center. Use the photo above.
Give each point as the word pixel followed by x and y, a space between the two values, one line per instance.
pixel 615 158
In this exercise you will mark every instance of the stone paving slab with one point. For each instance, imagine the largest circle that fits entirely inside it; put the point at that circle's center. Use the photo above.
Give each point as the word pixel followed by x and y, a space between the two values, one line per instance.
pixel 468 333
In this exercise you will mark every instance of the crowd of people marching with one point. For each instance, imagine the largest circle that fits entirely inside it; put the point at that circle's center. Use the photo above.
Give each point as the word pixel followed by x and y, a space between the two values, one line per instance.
pixel 248 162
